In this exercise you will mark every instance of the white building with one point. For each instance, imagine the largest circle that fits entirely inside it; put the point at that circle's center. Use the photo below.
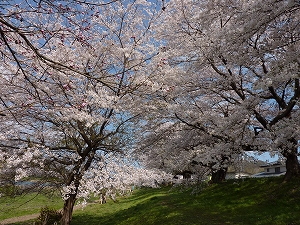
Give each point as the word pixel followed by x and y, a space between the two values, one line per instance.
pixel 272 170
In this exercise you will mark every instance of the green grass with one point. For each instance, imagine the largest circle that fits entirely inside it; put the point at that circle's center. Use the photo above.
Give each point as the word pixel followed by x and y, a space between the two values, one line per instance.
pixel 28 204
pixel 252 201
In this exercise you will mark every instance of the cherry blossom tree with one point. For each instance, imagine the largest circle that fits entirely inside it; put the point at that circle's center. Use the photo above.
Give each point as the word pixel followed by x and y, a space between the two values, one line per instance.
pixel 171 147
pixel 196 140
pixel 240 59
pixel 70 73
pixel 203 81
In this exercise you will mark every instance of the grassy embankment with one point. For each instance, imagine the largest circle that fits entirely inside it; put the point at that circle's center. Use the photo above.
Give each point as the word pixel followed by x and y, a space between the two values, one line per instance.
pixel 252 201
pixel 27 204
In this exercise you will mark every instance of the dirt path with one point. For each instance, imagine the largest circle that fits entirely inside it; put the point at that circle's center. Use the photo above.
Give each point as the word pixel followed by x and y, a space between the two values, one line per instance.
pixel 25 218
pixel 19 219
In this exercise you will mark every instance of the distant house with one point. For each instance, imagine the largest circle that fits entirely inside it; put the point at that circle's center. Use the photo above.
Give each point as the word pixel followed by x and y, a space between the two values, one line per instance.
pixel 273 169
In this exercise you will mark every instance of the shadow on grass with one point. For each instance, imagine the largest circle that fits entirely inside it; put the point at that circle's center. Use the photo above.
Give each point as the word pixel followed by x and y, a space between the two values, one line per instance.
pixel 253 202
pixel 239 202
pixel 150 208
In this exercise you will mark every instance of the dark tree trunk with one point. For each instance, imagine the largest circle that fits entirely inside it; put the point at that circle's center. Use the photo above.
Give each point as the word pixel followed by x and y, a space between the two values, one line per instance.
pixel 218 176
pixel 68 210
pixel 292 167
pixel 292 163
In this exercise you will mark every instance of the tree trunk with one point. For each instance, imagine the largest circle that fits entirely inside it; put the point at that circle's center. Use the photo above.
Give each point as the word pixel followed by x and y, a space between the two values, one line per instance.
pixel 292 166
pixel 218 176
pixel 292 163
pixel 68 210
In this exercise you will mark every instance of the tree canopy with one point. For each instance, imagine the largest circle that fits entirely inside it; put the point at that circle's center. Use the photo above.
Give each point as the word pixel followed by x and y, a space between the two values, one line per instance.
pixel 105 94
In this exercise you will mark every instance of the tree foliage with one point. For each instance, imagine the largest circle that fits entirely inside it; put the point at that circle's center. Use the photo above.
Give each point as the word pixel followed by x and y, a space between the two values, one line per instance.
pixel 232 78
pixel 69 70
pixel 190 85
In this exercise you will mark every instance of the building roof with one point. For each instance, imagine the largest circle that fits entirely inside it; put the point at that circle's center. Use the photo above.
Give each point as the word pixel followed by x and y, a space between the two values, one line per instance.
pixel 276 163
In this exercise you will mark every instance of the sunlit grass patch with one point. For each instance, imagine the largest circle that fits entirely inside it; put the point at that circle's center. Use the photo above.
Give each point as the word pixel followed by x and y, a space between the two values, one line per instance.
pixel 28 204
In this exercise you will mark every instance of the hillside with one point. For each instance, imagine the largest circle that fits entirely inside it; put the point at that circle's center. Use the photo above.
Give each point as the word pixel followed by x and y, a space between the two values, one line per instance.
pixel 247 166
pixel 252 201
pixel 264 201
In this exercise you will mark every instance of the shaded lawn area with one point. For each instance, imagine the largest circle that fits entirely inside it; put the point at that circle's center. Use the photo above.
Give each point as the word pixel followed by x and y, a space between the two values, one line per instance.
pixel 252 201
pixel 266 201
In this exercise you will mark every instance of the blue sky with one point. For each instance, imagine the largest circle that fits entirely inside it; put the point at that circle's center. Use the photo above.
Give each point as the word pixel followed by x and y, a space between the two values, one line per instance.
pixel 266 157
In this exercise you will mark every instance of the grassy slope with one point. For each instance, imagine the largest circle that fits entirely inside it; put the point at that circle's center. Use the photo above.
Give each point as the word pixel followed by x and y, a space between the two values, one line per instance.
pixel 27 204
pixel 253 201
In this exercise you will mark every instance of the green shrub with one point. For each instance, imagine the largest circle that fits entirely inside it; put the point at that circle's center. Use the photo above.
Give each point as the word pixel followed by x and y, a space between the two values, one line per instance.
pixel 49 216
